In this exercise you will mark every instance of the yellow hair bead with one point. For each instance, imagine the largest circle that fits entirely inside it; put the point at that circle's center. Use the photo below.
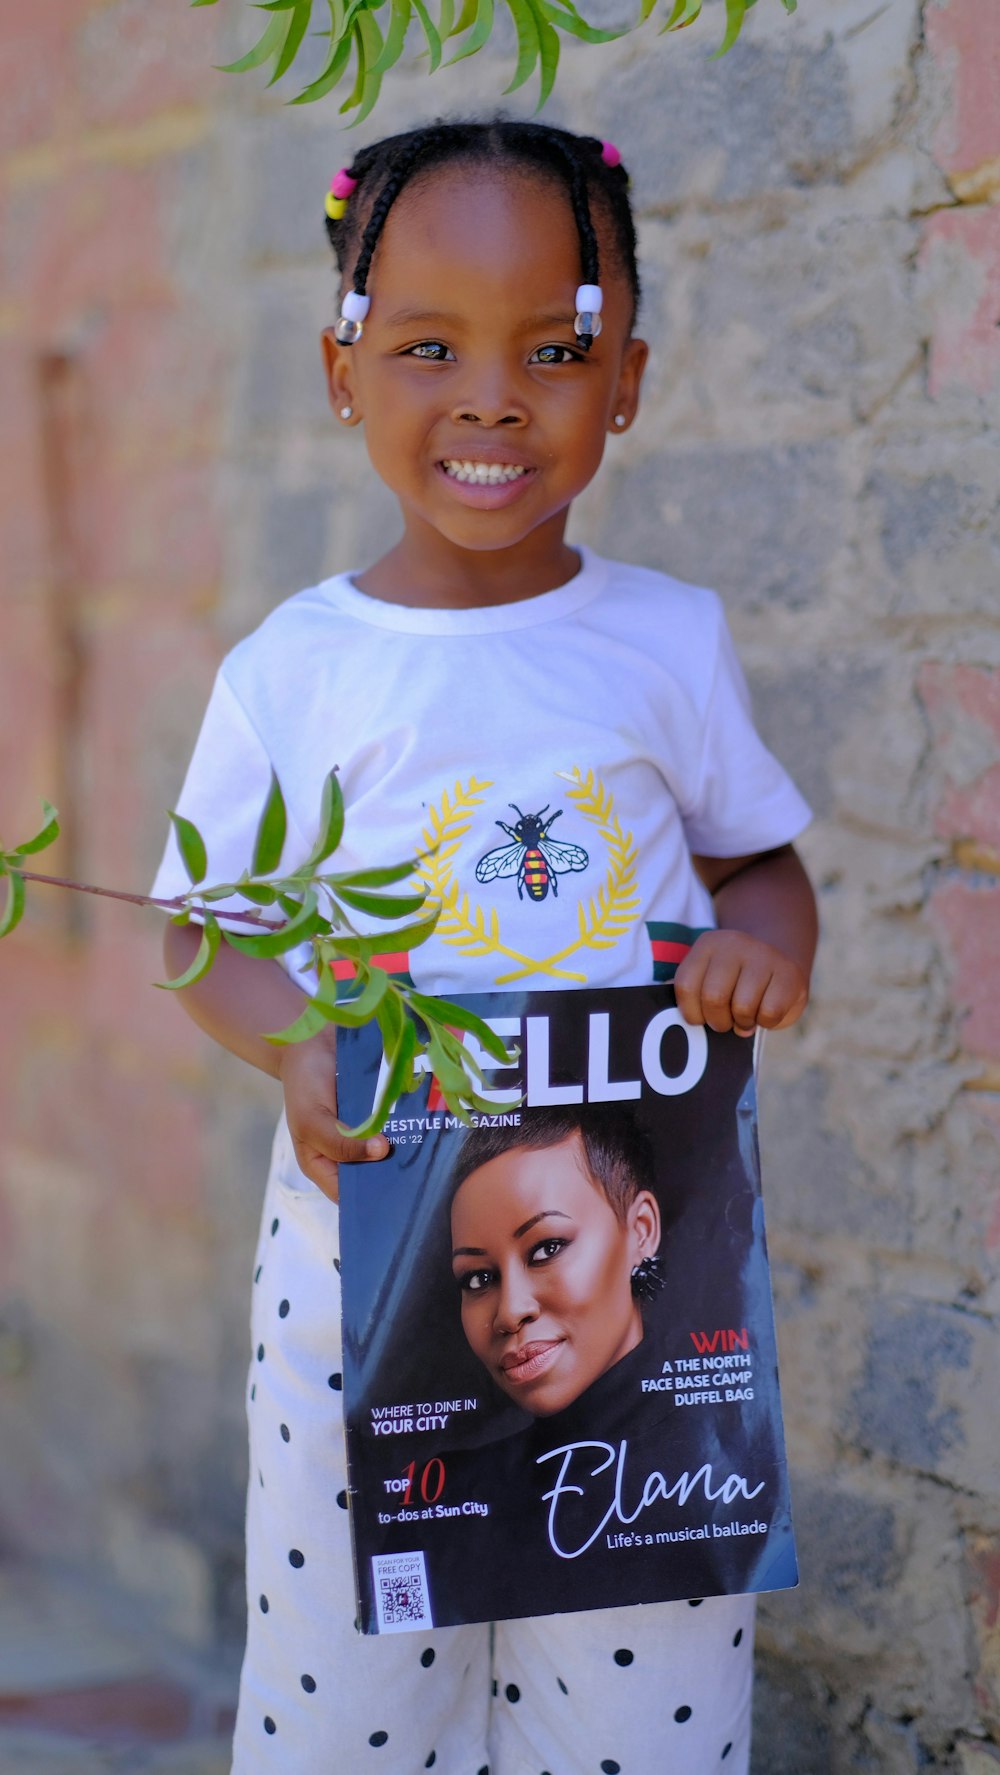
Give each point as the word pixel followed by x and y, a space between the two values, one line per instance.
pixel 335 206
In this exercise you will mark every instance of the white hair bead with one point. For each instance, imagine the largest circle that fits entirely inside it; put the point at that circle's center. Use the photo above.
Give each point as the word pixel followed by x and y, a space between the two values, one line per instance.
pixel 589 299
pixel 354 306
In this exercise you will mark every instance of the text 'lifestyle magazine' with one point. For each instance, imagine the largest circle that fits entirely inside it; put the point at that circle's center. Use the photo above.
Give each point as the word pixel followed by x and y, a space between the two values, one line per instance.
pixel 560 1377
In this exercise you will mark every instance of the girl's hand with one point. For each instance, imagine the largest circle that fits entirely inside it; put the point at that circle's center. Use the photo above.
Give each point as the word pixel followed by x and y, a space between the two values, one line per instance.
pixel 307 1071
pixel 733 981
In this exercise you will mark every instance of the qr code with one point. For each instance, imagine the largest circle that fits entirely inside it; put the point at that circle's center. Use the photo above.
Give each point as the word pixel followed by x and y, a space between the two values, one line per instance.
pixel 401 1601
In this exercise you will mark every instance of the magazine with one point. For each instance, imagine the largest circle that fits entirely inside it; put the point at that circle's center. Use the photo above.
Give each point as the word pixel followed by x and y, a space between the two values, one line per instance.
pixel 560 1376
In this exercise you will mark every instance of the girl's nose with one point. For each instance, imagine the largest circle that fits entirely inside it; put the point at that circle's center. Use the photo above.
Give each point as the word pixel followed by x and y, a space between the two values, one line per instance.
pixel 516 1303
pixel 483 407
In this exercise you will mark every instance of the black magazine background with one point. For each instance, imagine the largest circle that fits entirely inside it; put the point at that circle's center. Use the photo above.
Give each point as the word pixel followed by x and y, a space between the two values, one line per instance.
pixel 403 1345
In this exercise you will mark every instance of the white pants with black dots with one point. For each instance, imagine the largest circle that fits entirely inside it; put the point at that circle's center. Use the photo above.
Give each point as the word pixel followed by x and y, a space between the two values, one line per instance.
pixel 656 1690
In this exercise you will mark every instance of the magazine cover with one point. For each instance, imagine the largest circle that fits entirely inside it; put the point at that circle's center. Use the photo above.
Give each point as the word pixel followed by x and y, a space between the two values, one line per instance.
pixel 560 1377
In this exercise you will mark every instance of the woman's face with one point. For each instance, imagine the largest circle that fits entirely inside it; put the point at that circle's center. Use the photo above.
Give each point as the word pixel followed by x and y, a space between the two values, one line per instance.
pixel 544 1265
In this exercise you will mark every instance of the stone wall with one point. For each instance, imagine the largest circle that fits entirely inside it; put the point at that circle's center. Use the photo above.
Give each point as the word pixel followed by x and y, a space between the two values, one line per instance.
pixel 820 223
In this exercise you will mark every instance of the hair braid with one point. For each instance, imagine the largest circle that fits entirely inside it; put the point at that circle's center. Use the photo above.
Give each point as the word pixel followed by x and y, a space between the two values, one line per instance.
pixel 421 143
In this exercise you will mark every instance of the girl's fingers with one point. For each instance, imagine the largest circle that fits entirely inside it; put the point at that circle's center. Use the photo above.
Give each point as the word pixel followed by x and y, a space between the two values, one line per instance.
pixel 687 984
pixel 321 1163
pixel 730 993
pixel 320 1171
pixel 731 981
pixel 785 999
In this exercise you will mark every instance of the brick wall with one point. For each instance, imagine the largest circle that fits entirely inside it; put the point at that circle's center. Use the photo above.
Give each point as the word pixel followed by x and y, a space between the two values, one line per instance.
pixel 819 221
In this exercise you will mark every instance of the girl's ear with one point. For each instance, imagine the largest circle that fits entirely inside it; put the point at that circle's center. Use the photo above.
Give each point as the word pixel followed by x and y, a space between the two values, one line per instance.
pixel 340 381
pixel 644 1224
pixel 626 401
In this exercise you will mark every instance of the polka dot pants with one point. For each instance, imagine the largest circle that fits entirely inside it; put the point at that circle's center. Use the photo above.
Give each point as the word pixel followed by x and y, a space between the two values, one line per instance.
pixel 656 1690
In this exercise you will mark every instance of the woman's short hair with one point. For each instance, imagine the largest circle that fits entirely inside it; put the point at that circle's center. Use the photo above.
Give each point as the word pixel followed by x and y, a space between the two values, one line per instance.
pixel 618 1153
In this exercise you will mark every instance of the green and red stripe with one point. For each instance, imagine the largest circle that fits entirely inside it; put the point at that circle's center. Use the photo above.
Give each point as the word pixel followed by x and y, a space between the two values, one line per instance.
pixel 670 944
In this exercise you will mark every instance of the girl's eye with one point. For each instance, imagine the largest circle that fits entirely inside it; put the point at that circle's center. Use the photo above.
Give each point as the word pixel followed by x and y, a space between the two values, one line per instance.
pixel 431 350
pixel 475 1281
pixel 545 1250
pixel 555 354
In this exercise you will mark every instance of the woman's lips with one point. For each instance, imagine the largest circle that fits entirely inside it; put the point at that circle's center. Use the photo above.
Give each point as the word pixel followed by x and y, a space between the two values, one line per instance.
pixel 529 1361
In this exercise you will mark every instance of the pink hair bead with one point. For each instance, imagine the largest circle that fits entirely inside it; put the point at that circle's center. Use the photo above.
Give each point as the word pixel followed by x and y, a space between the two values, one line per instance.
pixel 610 155
pixel 342 184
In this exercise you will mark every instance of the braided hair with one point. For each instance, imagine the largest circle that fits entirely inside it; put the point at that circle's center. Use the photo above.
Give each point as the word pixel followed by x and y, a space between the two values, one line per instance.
pixel 383 170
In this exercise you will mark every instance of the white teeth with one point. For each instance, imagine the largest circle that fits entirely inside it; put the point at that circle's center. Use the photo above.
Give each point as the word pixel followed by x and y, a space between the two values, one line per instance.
pixel 483 474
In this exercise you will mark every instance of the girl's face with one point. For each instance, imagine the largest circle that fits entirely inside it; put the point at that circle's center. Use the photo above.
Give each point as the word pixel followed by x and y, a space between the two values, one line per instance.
pixel 544 1266
pixel 469 357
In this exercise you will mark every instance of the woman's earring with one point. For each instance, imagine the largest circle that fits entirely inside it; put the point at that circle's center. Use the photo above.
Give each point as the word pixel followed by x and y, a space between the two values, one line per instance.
pixel 347 412
pixel 619 419
pixel 647 1278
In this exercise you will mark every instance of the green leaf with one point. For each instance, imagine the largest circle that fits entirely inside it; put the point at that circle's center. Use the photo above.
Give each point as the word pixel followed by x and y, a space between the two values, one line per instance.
pixel 450 1073
pixel 446 19
pixel 409 936
pixel 270 840
pixel 207 951
pixel 331 822
pixel 465 20
pixel 528 46
pixel 318 1013
pixel 442 1010
pixel 262 51
pixel 260 892
pixel 400 1060
pixel 480 33
pixel 357 91
pixel 432 34
pixel 564 14
pixel 204 2
pixel 307 1024
pixel 192 848
pixel 371 37
pixel 387 877
pixel 14 906
pixel 356 949
pixel 684 13
pixel 735 14
pixel 548 49
pixel 395 37
pixel 381 905
pixel 390 1016
pixel 352 1012
pixel 340 55
pixel 48 834
pixel 297 28
pixel 306 923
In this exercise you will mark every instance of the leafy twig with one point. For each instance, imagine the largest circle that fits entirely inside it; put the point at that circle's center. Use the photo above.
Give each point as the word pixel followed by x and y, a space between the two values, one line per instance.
pixel 362 48
pixel 316 907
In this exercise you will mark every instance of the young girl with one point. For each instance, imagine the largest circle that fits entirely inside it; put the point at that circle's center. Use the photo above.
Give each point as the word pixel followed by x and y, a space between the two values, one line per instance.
pixel 482 673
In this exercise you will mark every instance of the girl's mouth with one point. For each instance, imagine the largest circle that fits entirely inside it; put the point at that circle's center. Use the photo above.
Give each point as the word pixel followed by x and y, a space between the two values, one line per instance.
pixel 528 1362
pixel 482 474
pixel 477 482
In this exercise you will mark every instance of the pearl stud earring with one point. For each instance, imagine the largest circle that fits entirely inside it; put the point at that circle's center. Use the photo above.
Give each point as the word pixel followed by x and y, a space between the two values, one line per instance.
pixel 619 419
pixel 347 412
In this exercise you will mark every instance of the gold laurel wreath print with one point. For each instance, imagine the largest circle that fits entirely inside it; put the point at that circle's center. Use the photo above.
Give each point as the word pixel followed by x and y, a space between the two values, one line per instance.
pixel 603 919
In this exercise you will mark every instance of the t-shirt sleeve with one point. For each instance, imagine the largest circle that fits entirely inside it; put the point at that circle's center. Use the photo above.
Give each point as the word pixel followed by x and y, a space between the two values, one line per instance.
pixel 223 794
pixel 744 801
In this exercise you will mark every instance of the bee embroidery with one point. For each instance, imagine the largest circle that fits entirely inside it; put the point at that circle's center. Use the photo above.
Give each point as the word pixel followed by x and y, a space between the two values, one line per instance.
pixel 534 857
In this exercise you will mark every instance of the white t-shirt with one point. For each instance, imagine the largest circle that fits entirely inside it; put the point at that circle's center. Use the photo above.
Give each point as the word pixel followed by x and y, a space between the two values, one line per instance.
pixel 558 760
